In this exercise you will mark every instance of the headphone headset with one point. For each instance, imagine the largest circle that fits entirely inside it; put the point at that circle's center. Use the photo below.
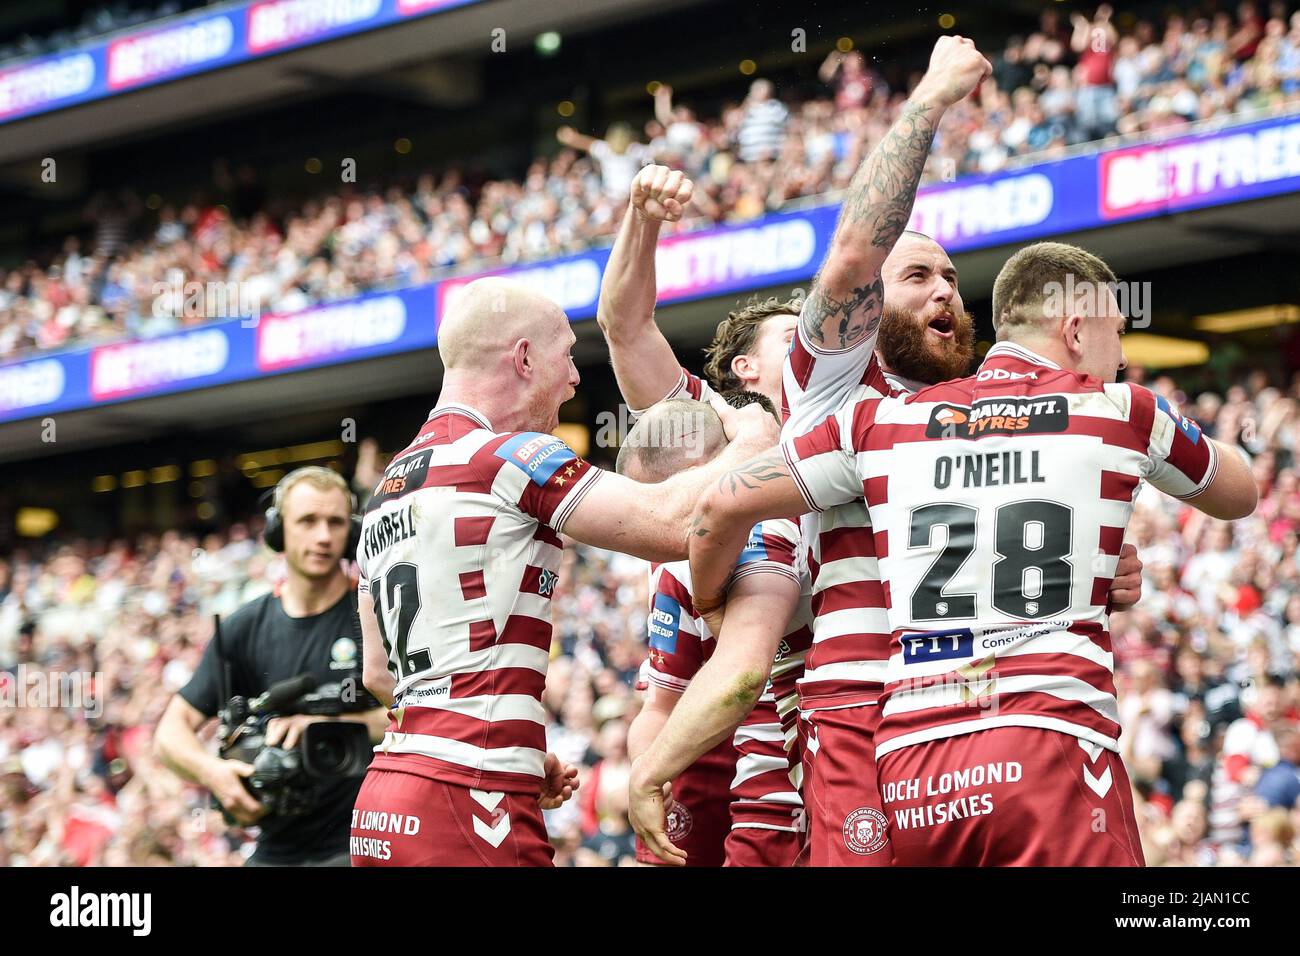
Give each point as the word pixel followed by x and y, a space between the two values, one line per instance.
pixel 273 532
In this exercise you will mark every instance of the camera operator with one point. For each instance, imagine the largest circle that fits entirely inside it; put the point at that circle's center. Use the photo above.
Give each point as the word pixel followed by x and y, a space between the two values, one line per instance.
pixel 308 626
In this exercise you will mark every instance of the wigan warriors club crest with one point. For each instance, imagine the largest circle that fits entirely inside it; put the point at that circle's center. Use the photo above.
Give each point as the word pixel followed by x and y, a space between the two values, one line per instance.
pixel 679 821
pixel 865 830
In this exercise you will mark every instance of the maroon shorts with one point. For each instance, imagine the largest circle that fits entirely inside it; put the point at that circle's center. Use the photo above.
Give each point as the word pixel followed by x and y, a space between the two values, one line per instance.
pixel 401 819
pixel 801 752
pixel 846 822
pixel 1012 796
pixel 774 841
pixel 700 818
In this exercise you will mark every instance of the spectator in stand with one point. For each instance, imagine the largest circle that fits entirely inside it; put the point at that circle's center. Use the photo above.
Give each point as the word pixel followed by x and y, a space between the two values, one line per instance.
pixel 1096 107
pixel 683 133
pixel 1279 785
pixel 1250 31
pixel 618 155
pixel 1010 72
pixel 852 81
pixel 762 124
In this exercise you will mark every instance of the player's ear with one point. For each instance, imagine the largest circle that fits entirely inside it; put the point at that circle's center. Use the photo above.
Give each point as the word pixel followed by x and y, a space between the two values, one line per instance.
pixel 744 368
pixel 523 359
pixel 1072 334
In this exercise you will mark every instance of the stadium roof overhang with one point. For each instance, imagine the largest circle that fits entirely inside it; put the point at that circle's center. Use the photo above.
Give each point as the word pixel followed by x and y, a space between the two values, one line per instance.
pixel 304 72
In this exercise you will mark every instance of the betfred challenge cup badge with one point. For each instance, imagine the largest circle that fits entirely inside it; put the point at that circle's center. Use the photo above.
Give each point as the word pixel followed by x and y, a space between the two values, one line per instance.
pixel 866 830
pixel 680 821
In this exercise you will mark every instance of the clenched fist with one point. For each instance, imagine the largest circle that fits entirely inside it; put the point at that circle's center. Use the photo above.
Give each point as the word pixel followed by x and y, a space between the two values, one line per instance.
pixel 660 194
pixel 956 70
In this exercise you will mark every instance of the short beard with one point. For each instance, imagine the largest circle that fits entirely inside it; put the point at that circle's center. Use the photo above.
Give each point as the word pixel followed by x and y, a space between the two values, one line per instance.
pixel 908 351
pixel 542 412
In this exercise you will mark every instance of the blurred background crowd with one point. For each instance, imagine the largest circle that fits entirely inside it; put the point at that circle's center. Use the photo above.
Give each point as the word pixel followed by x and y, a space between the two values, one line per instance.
pixel 1208 665
pixel 1208 669
pixel 1075 80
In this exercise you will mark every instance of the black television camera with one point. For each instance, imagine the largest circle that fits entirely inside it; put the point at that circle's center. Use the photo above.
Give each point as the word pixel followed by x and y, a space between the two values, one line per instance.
pixel 285 781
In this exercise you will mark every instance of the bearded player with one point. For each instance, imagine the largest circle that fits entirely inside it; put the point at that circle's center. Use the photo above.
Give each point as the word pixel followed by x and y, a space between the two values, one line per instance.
pixel 998 503
pixel 925 336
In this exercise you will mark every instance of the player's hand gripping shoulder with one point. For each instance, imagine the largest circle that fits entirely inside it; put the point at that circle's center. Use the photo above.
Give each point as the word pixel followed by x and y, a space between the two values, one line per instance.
pixel 660 194
pixel 650 521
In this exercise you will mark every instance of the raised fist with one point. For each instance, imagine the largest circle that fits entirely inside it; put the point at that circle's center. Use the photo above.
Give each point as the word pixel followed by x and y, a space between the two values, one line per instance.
pixel 956 70
pixel 660 194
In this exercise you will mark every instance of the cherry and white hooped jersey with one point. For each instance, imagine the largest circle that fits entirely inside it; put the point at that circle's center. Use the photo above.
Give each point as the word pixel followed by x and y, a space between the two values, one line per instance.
pixel 680 642
pixel 460 550
pixel 767 774
pixel 850 632
pixel 688 386
pixel 772 721
pixel 998 506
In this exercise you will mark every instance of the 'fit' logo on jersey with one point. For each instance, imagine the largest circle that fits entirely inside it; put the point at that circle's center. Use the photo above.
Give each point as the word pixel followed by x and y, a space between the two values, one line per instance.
pixel 999 416
pixel 665 618
pixel 927 646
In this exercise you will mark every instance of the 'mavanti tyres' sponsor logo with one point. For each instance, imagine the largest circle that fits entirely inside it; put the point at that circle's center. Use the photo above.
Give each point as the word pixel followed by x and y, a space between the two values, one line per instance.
pixel 282 23
pixel 1204 170
pixel 117 371
pixel 304 338
pixel 144 58
pixel 31 384
pixel 40 85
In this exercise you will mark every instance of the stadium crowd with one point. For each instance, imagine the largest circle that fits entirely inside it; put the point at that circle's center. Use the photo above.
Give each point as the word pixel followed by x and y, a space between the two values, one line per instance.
pixel 1059 86
pixel 1208 670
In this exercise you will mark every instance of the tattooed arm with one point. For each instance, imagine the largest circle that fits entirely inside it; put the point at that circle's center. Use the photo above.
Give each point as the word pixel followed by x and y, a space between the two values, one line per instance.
pixel 761 488
pixel 650 520
pixel 844 308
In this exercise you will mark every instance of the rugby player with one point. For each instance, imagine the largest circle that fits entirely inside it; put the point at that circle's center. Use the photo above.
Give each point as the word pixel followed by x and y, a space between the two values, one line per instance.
pixel 911 295
pixel 998 504
pixel 459 557
pixel 735 804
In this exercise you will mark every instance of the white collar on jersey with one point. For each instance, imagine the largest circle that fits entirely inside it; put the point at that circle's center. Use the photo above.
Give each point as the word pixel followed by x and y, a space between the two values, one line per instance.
pixel 462 410
pixel 1012 350
pixel 906 384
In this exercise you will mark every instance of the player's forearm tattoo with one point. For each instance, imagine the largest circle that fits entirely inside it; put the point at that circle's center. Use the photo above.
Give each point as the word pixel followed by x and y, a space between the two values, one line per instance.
pixel 751 475
pixel 697 529
pixel 883 189
pixel 877 206
pixel 858 315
